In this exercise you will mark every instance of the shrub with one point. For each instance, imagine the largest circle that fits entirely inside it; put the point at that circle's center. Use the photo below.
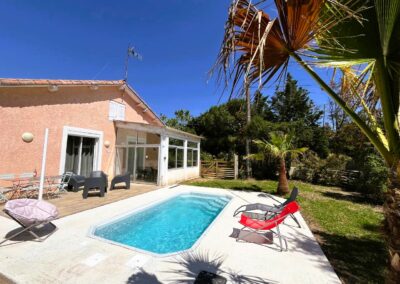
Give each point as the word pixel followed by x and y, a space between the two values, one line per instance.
pixel 375 175
pixel 307 167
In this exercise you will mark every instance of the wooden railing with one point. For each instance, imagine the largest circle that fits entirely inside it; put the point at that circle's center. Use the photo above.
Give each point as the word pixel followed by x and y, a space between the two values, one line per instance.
pixel 219 169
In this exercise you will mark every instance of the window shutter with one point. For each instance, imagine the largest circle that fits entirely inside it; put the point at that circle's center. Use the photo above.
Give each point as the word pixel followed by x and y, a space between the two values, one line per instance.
pixel 121 112
pixel 112 111
pixel 116 111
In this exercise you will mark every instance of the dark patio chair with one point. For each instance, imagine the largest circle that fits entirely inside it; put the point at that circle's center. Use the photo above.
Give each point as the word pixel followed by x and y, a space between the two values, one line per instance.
pixel 97 180
pixel 75 182
pixel 125 178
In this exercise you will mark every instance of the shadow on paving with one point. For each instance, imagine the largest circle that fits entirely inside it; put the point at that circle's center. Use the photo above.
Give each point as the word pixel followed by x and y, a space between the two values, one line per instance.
pixel 352 197
pixel 142 277
pixel 43 232
pixel 189 266
pixel 5 280
pixel 355 260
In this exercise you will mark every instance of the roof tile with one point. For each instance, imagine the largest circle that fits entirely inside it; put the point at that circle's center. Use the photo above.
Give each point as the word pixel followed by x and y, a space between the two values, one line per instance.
pixel 27 82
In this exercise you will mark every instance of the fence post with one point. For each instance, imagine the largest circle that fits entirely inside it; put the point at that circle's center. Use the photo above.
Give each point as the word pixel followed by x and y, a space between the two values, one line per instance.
pixel 236 166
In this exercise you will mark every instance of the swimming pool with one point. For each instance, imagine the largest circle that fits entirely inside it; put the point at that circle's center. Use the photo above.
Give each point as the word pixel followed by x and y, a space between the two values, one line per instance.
pixel 167 227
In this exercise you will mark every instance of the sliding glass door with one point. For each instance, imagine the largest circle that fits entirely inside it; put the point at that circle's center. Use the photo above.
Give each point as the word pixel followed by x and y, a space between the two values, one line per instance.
pixel 80 154
pixel 140 161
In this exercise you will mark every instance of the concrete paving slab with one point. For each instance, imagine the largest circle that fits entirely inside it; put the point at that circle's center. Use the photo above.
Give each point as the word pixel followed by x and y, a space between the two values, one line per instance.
pixel 71 256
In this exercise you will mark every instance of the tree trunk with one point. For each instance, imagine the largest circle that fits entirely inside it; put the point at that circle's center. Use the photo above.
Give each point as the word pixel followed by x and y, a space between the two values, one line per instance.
pixel 248 120
pixel 392 224
pixel 283 186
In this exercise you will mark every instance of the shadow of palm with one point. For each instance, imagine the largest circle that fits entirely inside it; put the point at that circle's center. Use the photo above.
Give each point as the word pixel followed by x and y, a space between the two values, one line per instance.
pixel 190 265
pixel 142 277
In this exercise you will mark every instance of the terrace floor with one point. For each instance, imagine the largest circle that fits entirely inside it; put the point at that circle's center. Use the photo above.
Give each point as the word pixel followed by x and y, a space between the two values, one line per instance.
pixel 70 255
pixel 72 202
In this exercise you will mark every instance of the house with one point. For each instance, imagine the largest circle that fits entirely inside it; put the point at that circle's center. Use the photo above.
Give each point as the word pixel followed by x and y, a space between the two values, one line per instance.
pixel 93 125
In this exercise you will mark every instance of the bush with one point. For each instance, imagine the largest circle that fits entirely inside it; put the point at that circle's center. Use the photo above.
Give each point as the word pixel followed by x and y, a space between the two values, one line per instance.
pixel 307 167
pixel 367 174
pixel 266 169
pixel 375 176
pixel 333 169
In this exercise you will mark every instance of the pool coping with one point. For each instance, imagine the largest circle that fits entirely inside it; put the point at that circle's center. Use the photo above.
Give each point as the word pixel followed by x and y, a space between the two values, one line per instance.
pixel 155 203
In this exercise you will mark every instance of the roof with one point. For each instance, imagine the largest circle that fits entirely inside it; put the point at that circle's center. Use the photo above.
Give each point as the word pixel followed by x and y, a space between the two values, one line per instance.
pixel 166 130
pixel 14 82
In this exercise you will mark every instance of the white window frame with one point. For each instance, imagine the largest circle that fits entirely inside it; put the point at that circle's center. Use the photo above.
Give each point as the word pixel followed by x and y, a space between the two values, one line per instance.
pixel 176 154
pixel 135 144
pixel 192 149
pixel 82 132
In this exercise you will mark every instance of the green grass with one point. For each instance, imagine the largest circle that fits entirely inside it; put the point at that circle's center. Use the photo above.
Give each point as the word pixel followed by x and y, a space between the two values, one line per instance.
pixel 346 225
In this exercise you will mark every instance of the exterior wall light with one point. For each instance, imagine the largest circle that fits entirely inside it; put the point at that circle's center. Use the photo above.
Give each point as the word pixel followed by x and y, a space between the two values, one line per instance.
pixel 53 88
pixel 107 143
pixel 27 137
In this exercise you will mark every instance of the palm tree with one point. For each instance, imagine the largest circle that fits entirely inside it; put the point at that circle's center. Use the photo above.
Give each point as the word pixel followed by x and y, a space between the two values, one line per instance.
pixel 359 41
pixel 279 147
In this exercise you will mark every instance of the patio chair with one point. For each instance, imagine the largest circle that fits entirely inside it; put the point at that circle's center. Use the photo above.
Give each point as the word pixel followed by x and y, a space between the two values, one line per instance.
pixel 268 209
pixel 102 175
pixel 97 180
pixel 3 189
pixel 75 182
pixel 30 214
pixel 64 181
pixel 251 226
pixel 55 185
pixel 3 192
pixel 125 178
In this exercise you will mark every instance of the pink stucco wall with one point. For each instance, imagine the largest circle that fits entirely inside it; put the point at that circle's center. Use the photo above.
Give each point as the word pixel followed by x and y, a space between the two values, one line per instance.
pixel 32 109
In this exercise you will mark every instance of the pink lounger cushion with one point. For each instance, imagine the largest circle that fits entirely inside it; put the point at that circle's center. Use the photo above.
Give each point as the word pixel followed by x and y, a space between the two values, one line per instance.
pixel 31 211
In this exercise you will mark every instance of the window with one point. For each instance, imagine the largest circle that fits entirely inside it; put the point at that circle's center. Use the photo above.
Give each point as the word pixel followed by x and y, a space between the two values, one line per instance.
pixel 116 111
pixel 79 157
pixel 175 154
pixel 192 154
pixel 175 142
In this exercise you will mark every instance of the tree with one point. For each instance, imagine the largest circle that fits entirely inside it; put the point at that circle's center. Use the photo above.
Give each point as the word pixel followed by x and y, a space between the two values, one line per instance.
pixel 182 120
pixel 223 128
pixel 361 43
pixel 279 147
pixel 294 104
pixel 295 112
pixel 337 116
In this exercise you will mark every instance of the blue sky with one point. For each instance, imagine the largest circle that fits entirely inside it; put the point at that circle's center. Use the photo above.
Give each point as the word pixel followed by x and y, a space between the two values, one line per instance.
pixel 178 39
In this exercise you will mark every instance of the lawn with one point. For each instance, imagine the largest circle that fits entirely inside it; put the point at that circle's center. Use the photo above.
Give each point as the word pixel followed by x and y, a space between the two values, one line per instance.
pixel 346 225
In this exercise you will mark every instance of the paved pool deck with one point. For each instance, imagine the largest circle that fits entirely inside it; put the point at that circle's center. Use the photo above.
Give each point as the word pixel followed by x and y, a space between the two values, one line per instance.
pixel 71 256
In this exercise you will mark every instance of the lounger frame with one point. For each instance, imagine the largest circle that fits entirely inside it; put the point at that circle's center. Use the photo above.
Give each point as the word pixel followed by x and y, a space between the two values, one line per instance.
pixel 29 229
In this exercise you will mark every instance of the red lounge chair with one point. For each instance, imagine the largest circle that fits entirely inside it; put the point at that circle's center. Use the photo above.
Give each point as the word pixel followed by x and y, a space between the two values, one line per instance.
pixel 273 221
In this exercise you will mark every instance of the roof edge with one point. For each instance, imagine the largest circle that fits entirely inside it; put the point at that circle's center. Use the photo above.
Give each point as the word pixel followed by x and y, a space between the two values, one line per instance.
pixel 133 92
pixel 16 82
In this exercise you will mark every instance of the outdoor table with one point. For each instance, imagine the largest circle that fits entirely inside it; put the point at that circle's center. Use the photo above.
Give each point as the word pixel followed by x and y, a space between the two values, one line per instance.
pixel 28 186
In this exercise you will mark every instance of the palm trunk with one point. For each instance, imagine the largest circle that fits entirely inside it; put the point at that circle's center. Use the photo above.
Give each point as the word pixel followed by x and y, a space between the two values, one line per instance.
pixel 248 120
pixel 283 186
pixel 392 225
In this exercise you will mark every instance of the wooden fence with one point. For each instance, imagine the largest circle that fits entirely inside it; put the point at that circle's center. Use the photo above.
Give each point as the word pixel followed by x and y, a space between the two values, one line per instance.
pixel 219 169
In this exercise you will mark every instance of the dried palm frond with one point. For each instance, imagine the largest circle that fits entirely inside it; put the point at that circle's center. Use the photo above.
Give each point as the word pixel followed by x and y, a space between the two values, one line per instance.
pixel 256 47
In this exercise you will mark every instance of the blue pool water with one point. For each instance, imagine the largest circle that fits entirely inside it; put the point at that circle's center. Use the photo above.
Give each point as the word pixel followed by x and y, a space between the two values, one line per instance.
pixel 167 227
